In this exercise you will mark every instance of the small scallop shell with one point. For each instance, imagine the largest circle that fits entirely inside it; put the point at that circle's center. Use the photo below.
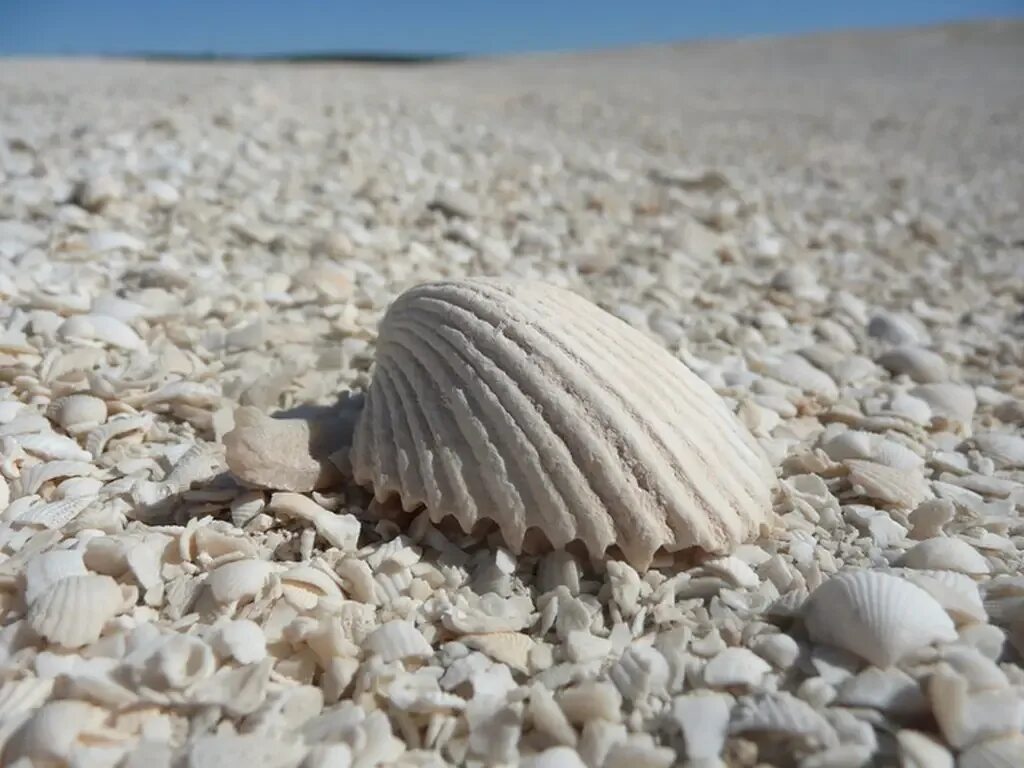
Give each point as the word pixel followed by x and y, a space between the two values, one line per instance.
pixel 781 713
pixel 876 616
pixel 47 568
pixel 74 610
pixel 1006 752
pixel 1006 450
pixel 77 413
pixel 945 554
pixel 525 403
pixel 239 580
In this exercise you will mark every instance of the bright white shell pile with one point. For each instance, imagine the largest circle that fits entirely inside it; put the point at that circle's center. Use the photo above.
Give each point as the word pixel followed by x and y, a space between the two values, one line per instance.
pixel 840 266
pixel 524 403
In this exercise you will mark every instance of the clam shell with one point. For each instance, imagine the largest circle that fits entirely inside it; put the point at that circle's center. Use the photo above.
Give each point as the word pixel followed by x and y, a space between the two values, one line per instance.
pixel 945 554
pixel 77 413
pixel 524 403
pixel 47 568
pixel 876 616
pixel 397 640
pixel 1007 752
pixel 74 610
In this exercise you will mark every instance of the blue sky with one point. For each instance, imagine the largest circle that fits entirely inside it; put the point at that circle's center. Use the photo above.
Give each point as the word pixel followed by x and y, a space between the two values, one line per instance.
pixel 247 27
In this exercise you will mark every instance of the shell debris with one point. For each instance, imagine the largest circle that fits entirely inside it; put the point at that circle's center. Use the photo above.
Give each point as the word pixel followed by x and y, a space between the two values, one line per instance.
pixel 503 413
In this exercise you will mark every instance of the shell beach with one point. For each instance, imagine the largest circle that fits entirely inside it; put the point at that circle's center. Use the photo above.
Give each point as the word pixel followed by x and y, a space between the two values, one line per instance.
pixel 640 408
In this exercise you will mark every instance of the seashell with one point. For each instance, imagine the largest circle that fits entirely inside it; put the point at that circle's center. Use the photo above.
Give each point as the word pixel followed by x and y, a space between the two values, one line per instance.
pixel 97 439
pixel 895 329
pixel 966 718
pixel 918 750
pixel 240 580
pixel 53 733
pixel 524 402
pixel 735 667
pixel 396 640
pixel 953 403
pixel 74 610
pixel 34 477
pixel 102 328
pixel 591 700
pixel 340 531
pixel 945 554
pixel 876 616
pixel 304 586
pixel 957 593
pixel 548 718
pixel 1004 752
pixel 891 486
pixel 77 413
pixel 489 613
pixel 511 648
pixel 891 691
pixel 252 749
pixel 920 364
pixel 640 671
pixel 52 447
pixel 911 408
pixel 25 423
pixel 47 568
pixel 1006 450
pixel 54 514
pixel 796 371
pixel 781 714
pixel 703 718
pixel 178 662
pixel 241 640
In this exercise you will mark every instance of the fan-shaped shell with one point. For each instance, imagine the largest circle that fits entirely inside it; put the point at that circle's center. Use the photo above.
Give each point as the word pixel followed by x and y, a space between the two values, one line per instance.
pixel 73 611
pixel 526 404
pixel 876 616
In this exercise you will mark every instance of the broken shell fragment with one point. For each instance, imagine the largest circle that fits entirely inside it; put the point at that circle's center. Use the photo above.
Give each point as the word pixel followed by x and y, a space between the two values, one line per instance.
pixel 524 403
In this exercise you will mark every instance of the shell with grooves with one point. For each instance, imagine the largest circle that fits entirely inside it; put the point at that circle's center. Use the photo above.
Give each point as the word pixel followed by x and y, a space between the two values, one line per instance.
pixel 528 405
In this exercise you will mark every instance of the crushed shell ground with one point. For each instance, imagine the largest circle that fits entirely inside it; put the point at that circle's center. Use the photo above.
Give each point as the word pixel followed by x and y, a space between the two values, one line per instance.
pixel 827 231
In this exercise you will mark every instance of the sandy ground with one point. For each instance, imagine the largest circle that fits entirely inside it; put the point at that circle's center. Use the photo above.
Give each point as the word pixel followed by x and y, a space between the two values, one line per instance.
pixel 827 230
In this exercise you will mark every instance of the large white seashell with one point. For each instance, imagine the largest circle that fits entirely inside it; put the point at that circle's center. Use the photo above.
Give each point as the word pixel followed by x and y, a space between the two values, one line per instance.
pixel 876 616
pixel 902 488
pixel 945 554
pixel 74 610
pixel 524 403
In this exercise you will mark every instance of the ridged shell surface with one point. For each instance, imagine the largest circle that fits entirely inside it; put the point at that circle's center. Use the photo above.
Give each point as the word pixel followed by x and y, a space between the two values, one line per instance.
pixel 528 405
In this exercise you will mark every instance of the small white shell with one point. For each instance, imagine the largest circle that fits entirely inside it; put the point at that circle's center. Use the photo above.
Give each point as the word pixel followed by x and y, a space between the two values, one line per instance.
pixel 1006 450
pixel 242 640
pixel 53 447
pixel 77 413
pixel 876 616
pixel 703 718
pixel 944 553
pixel 898 487
pixel 781 713
pixel 397 640
pixel 101 328
pixel 735 667
pixel 640 671
pixel 239 580
pixel 921 365
pixel 74 610
pixel 965 718
pixel 1005 752
pixel 954 403
pixel 525 403
pixel 511 648
pixel 47 568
